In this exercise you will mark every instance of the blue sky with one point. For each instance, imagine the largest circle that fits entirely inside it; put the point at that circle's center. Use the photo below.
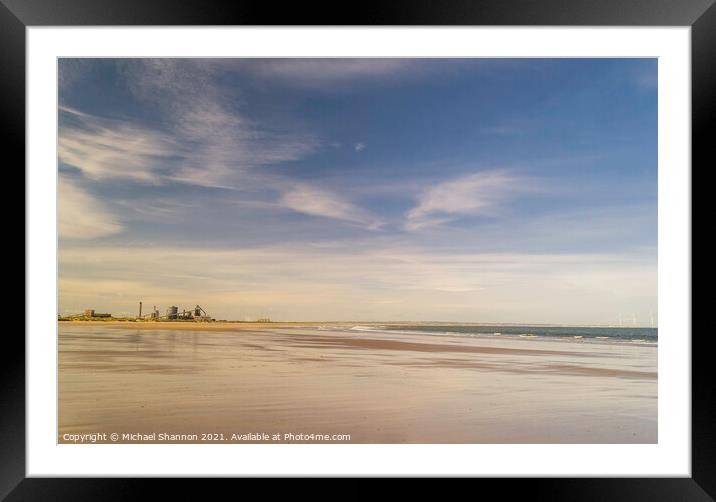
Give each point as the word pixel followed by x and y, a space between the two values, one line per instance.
pixel 494 190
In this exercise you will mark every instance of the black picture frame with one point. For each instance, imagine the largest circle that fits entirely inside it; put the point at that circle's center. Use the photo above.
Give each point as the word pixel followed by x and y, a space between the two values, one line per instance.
pixel 700 15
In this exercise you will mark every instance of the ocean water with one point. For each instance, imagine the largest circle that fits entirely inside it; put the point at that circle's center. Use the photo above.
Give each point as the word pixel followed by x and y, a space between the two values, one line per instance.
pixel 596 334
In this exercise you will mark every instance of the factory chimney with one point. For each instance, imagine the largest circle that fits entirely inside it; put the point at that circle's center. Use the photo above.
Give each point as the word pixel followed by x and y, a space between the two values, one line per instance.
pixel 140 309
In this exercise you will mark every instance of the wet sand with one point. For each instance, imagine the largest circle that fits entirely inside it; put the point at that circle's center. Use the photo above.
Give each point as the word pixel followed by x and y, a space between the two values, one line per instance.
pixel 226 379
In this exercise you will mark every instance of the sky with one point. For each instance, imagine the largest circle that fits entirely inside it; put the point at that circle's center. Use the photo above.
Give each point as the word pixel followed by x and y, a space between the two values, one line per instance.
pixel 465 190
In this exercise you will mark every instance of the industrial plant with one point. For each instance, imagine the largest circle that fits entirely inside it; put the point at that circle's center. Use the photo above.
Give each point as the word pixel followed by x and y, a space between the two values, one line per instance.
pixel 197 314
pixel 92 313
pixel 173 314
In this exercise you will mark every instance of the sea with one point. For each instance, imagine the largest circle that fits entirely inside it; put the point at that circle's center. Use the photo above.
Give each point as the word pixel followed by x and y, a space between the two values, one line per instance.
pixel 597 334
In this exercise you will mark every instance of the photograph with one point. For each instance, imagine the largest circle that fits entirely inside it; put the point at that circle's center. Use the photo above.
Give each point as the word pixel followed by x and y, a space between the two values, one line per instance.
pixel 357 250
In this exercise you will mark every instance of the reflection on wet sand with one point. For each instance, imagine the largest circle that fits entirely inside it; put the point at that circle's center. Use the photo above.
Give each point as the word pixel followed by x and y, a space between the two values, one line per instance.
pixel 378 387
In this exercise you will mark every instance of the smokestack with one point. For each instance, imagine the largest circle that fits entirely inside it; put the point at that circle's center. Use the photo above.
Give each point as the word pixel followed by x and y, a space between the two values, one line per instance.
pixel 140 309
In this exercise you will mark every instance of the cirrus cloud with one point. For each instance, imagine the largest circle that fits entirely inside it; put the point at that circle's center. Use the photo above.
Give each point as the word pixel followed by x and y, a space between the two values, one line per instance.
pixel 480 193
pixel 318 202
pixel 80 216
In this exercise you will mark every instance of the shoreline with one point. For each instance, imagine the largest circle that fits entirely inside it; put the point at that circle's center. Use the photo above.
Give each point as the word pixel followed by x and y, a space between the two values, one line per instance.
pixel 314 324
pixel 204 326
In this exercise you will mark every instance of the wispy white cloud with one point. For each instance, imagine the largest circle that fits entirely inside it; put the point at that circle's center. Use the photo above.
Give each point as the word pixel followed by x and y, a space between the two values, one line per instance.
pixel 378 283
pixel 224 146
pixel 480 193
pixel 340 74
pixel 80 216
pixel 329 71
pixel 221 142
pixel 104 148
pixel 311 200
pixel 359 147
pixel 161 209
pixel 202 138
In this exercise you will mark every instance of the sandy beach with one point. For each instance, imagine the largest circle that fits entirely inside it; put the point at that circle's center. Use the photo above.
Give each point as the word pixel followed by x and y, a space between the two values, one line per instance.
pixel 336 382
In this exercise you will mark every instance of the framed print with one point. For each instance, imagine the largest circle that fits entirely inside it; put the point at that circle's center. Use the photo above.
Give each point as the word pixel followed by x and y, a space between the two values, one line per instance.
pixel 419 242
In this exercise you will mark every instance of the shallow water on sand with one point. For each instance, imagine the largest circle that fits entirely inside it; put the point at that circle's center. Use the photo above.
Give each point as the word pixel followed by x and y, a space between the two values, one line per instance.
pixel 376 386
